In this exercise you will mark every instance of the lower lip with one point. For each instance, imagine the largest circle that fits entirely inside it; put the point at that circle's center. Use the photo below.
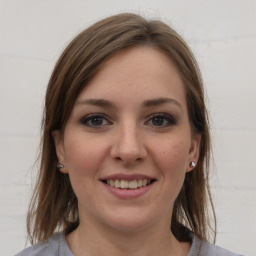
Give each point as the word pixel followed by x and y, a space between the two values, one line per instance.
pixel 128 193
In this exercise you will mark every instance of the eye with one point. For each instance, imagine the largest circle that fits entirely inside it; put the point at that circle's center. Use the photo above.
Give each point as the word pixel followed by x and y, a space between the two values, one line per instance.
pixel 95 120
pixel 161 120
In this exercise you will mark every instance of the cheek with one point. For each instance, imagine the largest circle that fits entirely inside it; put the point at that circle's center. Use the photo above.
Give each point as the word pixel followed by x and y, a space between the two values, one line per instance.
pixel 83 156
pixel 171 160
pixel 172 156
pixel 83 162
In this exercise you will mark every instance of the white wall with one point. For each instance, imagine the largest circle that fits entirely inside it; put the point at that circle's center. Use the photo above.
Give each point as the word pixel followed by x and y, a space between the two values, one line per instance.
pixel 222 34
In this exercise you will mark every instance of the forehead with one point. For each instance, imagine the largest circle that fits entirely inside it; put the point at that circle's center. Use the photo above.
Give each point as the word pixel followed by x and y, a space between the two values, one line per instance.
pixel 140 72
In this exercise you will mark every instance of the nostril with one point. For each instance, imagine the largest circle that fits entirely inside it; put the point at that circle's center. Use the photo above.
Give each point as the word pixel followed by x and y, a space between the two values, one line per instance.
pixel 128 159
pixel 128 150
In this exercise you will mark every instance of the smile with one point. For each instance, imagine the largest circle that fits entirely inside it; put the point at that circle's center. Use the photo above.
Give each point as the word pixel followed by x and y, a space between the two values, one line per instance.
pixel 129 184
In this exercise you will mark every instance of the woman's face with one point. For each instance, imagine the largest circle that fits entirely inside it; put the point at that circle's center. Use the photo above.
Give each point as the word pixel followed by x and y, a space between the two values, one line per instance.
pixel 127 144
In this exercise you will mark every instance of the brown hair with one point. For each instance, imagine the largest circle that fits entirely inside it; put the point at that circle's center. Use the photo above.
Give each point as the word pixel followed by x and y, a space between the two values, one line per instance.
pixel 54 204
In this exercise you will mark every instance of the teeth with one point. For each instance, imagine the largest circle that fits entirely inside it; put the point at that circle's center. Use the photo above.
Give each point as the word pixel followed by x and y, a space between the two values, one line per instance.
pixel 133 184
pixel 124 184
pixel 139 183
pixel 117 183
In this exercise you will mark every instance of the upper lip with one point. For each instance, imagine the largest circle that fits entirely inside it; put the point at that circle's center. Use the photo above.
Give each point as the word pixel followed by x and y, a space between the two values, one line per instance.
pixel 128 177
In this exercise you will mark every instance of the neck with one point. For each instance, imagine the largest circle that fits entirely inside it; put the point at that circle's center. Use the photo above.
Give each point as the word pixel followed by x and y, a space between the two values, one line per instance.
pixel 90 240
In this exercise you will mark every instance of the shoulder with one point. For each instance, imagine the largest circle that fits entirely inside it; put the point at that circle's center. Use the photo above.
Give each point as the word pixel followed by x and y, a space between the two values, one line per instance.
pixel 41 248
pixel 203 248
pixel 54 246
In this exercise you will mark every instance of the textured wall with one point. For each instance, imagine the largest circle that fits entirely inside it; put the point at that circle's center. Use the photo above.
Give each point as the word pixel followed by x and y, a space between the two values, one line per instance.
pixel 222 33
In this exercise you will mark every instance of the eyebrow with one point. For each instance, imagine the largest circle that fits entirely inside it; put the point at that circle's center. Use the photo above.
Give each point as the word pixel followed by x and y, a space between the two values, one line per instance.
pixel 97 102
pixel 161 101
pixel 147 103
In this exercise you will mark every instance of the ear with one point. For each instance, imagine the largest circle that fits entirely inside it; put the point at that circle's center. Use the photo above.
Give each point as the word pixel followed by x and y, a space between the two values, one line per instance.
pixel 59 147
pixel 194 151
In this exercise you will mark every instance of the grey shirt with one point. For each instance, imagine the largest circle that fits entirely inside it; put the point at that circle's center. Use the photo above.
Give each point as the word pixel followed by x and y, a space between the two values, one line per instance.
pixel 57 246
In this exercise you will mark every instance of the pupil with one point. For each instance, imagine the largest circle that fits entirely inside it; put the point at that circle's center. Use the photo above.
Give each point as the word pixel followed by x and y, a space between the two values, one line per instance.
pixel 97 121
pixel 158 121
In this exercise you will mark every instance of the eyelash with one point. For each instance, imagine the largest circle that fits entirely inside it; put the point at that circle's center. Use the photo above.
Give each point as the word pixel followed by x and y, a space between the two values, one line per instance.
pixel 85 120
pixel 168 119
pixel 165 117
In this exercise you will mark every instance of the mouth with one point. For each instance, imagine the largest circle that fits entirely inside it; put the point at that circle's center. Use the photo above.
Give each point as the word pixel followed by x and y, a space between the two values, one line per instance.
pixel 128 184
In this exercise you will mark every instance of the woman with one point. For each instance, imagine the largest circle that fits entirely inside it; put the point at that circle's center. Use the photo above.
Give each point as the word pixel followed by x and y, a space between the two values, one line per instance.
pixel 125 148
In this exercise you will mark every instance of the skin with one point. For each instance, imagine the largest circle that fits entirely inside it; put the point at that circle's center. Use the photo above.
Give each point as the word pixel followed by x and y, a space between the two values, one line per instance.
pixel 143 129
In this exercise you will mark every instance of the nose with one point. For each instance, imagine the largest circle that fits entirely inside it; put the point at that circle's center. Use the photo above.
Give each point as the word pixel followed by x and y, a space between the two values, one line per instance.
pixel 128 146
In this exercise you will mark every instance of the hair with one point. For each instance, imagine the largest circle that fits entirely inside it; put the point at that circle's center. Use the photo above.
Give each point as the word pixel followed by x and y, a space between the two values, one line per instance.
pixel 54 205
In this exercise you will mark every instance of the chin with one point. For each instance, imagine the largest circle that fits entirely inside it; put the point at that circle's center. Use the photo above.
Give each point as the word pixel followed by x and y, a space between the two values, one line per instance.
pixel 130 220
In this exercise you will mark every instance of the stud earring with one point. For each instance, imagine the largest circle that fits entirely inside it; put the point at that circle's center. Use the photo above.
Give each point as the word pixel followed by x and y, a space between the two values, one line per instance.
pixel 60 166
pixel 192 164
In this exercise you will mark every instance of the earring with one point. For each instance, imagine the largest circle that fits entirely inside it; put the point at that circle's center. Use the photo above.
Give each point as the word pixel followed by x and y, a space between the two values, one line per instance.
pixel 60 166
pixel 192 164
